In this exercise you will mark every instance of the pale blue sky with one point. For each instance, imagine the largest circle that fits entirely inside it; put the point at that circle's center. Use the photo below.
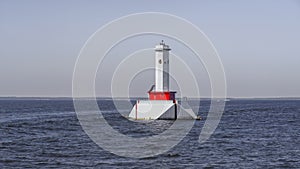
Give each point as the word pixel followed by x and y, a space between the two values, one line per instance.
pixel 258 41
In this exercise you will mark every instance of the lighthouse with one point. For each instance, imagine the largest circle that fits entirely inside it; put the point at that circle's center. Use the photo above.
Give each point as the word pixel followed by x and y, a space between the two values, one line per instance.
pixel 161 87
pixel 162 67
pixel 161 103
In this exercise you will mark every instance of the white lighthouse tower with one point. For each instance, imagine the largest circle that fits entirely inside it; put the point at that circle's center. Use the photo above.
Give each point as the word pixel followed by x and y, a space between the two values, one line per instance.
pixel 161 90
pixel 161 103
pixel 162 67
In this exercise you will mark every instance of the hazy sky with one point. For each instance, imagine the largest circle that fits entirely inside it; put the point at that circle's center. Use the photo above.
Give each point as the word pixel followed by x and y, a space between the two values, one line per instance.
pixel 258 41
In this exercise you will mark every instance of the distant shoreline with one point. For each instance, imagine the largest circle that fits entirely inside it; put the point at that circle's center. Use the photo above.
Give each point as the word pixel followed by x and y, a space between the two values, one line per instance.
pixel 126 98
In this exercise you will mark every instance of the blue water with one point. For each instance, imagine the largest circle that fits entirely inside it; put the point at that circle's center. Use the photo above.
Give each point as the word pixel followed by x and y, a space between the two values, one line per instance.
pixel 251 134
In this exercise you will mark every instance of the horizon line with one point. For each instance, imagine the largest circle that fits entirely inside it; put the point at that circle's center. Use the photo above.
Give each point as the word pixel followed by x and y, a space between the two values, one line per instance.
pixel 123 97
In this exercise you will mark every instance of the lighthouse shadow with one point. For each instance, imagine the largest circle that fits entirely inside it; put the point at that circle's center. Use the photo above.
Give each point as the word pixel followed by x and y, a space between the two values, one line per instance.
pixel 117 119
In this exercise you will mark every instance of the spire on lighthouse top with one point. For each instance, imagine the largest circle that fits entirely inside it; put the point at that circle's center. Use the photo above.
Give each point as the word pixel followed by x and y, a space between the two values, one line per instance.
pixel 162 46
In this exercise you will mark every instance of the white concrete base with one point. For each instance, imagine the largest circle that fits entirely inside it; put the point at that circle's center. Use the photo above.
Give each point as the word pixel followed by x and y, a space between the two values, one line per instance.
pixel 161 109
pixel 154 109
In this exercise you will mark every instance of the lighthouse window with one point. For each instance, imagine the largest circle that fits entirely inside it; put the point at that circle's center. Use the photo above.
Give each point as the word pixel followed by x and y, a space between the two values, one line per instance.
pixel 159 61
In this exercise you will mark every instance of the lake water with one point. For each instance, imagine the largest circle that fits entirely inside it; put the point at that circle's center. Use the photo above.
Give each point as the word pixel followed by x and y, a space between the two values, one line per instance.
pixel 253 133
